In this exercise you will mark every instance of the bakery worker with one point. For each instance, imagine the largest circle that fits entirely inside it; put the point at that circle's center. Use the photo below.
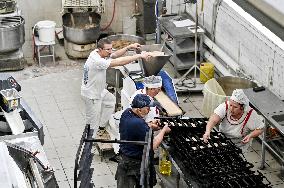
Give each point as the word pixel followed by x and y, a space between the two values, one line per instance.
pixel 152 86
pixel 133 127
pixel 99 101
pixel 237 119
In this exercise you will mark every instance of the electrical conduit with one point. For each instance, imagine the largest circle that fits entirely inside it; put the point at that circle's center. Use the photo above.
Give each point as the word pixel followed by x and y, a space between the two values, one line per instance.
pixel 228 60
pixel 158 32
pixel 217 64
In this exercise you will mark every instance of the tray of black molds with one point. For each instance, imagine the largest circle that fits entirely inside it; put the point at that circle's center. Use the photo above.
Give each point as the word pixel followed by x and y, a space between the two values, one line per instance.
pixel 185 123
pixel 208 164
pixel 244 179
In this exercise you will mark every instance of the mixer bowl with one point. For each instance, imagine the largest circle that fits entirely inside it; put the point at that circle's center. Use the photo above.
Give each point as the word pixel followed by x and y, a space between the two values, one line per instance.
pixel 12 33
pixel 111 76
pixel 230 83
pixel 81 27
pixel 125 37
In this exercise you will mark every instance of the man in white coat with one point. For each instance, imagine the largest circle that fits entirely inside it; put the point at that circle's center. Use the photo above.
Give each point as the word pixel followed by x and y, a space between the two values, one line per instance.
pixel 99 101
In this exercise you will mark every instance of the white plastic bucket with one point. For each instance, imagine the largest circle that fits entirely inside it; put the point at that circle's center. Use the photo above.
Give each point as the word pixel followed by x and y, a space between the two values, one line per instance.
pixel 46 31
pixel 129 25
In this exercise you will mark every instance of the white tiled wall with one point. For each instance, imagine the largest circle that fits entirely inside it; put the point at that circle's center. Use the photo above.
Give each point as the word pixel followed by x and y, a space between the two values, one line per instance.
pixel 248 44
pixel 258 54
pixel 37 10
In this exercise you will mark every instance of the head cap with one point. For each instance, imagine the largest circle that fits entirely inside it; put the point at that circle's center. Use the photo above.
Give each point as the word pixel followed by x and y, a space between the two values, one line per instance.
pixel 141 100
pixel 153 81
pixel 239 96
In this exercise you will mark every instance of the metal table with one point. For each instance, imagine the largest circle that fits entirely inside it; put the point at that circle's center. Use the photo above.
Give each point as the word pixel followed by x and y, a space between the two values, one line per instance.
pixel 268 105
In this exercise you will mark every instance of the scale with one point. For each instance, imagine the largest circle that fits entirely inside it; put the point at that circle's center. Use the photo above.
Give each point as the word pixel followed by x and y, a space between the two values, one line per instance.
pixel 11 58
pixel 74 37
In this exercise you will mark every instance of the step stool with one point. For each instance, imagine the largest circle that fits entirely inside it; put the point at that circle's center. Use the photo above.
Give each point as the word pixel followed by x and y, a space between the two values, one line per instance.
pixel 38 47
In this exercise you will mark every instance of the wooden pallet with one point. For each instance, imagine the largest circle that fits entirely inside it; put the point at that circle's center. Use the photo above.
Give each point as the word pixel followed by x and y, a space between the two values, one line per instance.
pixel 104 148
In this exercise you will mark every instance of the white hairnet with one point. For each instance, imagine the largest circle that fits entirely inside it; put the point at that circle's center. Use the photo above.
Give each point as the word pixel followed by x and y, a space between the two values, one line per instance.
pixel 239 96
pixel 153 81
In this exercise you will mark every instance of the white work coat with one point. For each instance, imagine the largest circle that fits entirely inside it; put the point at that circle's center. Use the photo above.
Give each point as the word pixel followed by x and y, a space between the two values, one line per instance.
pixel 238 129
pixel 94 76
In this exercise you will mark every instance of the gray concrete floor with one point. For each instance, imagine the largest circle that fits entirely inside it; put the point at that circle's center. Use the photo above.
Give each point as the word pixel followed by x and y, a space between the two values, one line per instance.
pixel 53 93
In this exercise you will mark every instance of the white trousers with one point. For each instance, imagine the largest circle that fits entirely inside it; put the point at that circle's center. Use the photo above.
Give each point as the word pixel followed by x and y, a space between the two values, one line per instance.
pixel 99 111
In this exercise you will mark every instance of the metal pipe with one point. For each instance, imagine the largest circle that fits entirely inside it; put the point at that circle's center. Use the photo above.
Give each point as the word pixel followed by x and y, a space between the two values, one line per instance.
pixel 228 60
pixel 158 30
pixel 217 64
pixel 216 4
pixel 195 43
pixel 117 141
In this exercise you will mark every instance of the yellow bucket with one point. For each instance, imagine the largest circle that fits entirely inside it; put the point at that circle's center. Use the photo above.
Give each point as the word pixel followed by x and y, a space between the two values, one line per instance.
pixel 208 69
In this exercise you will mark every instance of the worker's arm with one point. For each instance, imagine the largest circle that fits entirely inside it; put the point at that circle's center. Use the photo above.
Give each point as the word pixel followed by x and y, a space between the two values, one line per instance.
pixel 253 134
pixel 128 59
pixel 122 51
pixel 213 121
pixel 159 138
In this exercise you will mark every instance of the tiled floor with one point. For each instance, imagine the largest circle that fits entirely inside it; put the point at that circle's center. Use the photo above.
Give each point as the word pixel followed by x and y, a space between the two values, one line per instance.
pixel 55 99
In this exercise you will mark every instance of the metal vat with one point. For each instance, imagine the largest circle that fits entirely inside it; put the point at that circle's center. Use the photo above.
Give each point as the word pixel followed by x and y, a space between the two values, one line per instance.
pixel 131 38
pixel 81 27
pixel 12 33
pixel 230 83
pixel 111 80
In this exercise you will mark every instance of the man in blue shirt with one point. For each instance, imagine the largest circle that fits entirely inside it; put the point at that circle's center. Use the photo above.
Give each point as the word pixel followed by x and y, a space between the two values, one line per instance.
pixel 133 127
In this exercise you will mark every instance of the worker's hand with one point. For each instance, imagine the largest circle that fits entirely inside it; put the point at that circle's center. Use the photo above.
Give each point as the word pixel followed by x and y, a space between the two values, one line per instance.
pixel 154 124
pixel 246 139
pixel 134 46
pixel 146 55
pixel 206 136
pixel 166 129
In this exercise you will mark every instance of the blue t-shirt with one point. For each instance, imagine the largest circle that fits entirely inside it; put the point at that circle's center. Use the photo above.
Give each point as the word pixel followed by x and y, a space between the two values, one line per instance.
pixel 132 128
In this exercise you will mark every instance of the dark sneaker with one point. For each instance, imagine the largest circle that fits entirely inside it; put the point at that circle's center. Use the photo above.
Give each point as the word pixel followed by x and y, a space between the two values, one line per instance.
pixel 115 158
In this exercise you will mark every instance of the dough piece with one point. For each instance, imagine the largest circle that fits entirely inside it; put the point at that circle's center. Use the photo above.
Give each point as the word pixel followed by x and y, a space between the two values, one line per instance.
pixel 171 108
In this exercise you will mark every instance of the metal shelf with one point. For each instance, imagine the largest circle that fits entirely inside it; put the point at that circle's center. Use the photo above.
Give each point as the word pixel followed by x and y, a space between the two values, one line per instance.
pixel 185 46
pixel 182 45
pixel 181 61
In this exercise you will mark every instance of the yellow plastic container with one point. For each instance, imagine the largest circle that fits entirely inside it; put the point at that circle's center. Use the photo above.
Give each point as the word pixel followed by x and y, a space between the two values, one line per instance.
pixel 165 165
pixel 208 69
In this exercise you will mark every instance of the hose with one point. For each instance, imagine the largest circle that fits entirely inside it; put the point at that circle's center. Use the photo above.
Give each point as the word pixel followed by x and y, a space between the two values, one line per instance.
pixel 113 12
